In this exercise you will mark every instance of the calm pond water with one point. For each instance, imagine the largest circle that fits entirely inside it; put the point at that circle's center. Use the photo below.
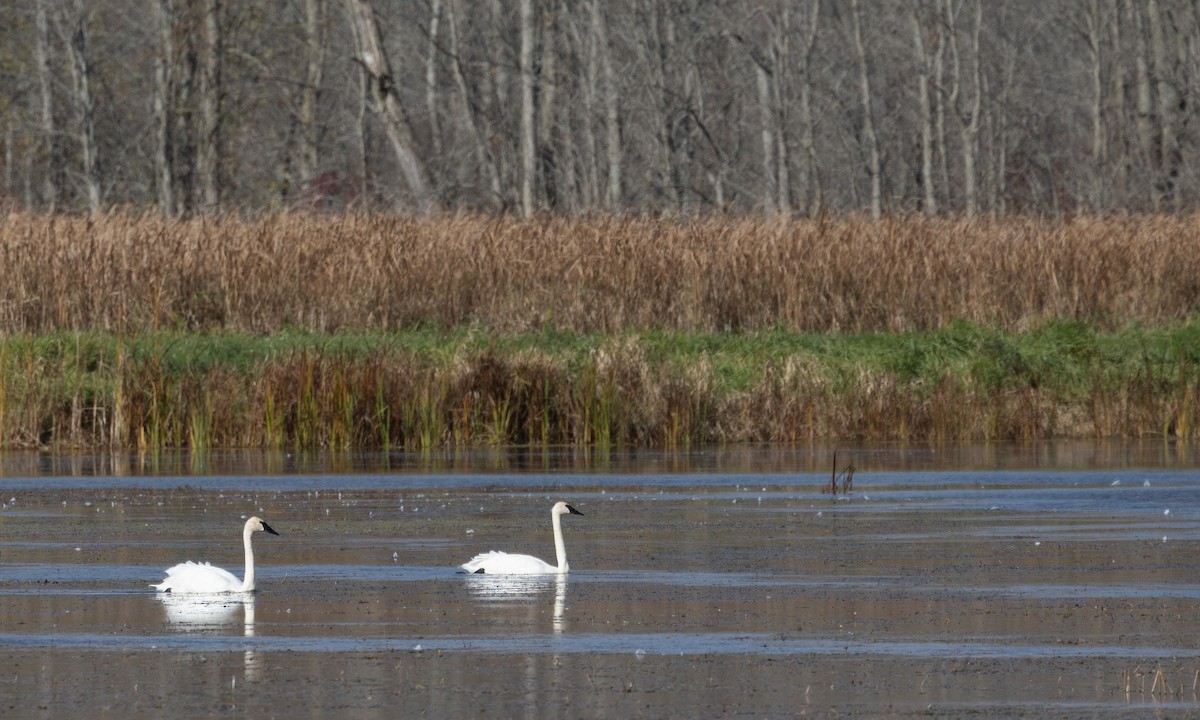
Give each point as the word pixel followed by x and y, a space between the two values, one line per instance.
pixel 1041 581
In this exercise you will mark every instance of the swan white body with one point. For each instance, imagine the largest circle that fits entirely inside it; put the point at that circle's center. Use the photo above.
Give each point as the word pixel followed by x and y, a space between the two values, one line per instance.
pixel 502 563
pixel 190 577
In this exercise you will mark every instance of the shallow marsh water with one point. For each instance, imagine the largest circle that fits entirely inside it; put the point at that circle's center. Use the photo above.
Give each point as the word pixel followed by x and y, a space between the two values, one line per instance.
pixel 1042 582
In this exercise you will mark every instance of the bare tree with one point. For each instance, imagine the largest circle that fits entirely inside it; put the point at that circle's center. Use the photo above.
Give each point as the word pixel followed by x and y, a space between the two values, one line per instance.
pixel 869 139
pixel 525 12
pixel 965 97
pixel 85 109
pixel 307 155
pixel 49 131
pixel 431 76
pixel 164 94
pixel 922 37
pixel 468 111
pixel 810 179
pixel 208 97
pixel 382 91
pixel 1169 100
pixel 1118 146
pixel 612 110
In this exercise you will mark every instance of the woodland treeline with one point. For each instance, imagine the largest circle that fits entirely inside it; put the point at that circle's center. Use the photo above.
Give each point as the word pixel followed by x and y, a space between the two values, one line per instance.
pixel 943 107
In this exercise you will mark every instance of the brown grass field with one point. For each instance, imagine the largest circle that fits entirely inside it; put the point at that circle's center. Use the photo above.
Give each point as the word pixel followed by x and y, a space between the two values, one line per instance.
pixel 93 309
pixel 126 272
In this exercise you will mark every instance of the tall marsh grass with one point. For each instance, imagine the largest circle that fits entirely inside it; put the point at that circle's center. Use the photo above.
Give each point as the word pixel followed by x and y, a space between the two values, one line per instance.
pixel 298 332
pixel 126 273
pixel 424 392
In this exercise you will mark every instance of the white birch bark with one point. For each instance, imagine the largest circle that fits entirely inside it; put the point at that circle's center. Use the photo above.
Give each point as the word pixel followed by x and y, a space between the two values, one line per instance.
pixel 870 140
pixel 164 79
pixel 924 65
pixel 525 61
pixel 49 130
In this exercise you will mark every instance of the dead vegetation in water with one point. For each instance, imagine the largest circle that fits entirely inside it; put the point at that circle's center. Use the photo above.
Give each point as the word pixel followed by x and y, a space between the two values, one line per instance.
pixel 125 272
pixel 1152 685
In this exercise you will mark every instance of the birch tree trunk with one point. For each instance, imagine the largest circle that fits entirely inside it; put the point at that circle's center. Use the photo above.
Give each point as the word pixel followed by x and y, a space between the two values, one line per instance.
pixel 382 91
pixel 431 84
pixel 967 112
pixel 1093 33
pixel 81 75
pixel 528 150
pixel 869 138
pixel 1118 143
pixel 164 92
pixel 924 64
pixel 766 131
pixel 49 131
pixel 940 136
pixel 783 164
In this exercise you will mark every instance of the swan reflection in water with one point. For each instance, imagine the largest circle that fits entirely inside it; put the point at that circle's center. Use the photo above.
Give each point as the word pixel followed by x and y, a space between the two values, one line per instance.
pixel 517 591
pixel 211 614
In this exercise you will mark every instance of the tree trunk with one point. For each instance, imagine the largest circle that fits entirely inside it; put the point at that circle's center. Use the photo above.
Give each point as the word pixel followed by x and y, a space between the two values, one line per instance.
pixel 1118 136
pixel 767 132
pixel 382 91
pixel 314 52
pixel 528 150
pixel 587 147
pixel 779 98
pixel 208 96
pixel 470 116
pixel 1145 106
pixel 431 86
pixel 810 179
pixel 81 75
pixel 941 137
pixel 612 111
pixel 967 112
pixel 929 206
pixel 49 139
pixel 1094 35
pixel 869 138
pixel 1170 154
pixel 545 105
pixel 163 102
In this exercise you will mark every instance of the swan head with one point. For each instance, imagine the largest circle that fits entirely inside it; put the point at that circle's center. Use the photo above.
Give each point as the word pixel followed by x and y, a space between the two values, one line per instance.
pixel 561 508
pixel 256 524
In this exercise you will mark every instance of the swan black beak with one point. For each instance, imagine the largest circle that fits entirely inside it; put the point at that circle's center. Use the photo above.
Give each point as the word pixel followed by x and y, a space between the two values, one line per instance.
pixel 573 510
pixel 267 528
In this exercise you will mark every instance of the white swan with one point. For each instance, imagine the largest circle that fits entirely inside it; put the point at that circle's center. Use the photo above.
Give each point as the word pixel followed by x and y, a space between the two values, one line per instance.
pixel 502 563
pixel 190 577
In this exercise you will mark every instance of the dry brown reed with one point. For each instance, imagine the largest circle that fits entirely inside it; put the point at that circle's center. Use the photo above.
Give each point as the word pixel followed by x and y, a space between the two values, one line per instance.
pixel 125 272
pixel 128 276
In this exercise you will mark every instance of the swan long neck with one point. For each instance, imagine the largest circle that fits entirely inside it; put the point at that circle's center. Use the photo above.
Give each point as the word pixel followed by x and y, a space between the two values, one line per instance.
pixel 560 548
pixel 248 583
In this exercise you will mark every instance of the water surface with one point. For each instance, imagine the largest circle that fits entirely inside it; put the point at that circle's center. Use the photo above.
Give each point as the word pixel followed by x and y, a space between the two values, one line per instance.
pixel 1044 581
